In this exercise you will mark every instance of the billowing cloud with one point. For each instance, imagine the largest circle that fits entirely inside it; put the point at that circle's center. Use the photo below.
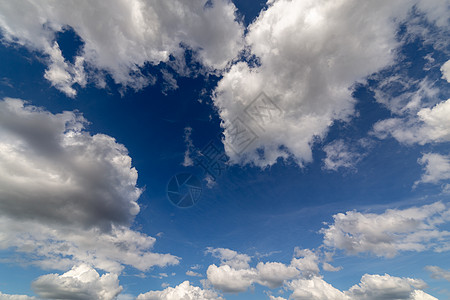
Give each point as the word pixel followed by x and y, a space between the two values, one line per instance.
pixel 385 234
pixel 124 36
pixel 230 257
pixel 307 63
pixel 68 196
pixel 371 287
pixel 81 282
pixel 183 291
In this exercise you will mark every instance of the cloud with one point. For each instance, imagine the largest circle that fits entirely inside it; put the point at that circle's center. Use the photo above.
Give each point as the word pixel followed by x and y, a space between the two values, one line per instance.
pixel 445 69
pixel 341 154
pixel 438 273
pixel 385 234
pixel 187 162
pixel 307 64
pixel 15 297
pixel 183 291
pixel 81 282
pixel 230 257
pixel 124 37
pixel 54 171
pixel 427 126
pixel 371 287
pixel 193 274
pixel 436 166
pixel 68 196
pixel 234 278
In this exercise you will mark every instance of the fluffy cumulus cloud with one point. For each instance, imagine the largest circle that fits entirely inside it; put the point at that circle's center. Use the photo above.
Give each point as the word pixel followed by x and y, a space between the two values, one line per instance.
pixel 427 126
pixel 183 291
pixel 385 234
pixel 436 166
pixel 124 36
pixel 81 282
pixel 66 195
pixel 371 287
pixel 445 69
pixel 232 278
pixel 307 63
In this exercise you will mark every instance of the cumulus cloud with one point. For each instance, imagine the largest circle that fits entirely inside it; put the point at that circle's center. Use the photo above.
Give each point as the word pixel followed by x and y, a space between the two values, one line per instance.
pixel 307 65
pixel 371 287
pixel 427 126
pixel 445 69
pixel 438 273
pixel 125 36
pixel 66 195
pixel 230 257
pixel 436 166
pixel 81 282
pixel 183 291
pixel 385 234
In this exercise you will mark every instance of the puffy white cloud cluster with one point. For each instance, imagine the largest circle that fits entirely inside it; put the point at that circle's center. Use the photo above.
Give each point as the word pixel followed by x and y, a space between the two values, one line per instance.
pixel 371 287
pixel 385 234
pixel 310 54
pixel 184 291
pixel 120 37
pixel 67 196
pixel 436 166
pixel 81 282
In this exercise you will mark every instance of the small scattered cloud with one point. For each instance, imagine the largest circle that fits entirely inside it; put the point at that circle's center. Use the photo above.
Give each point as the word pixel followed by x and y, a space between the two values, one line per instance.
pixel 183 291
pixel 438 273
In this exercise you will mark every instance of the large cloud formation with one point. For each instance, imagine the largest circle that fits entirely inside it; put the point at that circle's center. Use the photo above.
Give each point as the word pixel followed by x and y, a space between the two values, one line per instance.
pixel 81 282
pixel 120 37
pixel 309 55
pixel 68 196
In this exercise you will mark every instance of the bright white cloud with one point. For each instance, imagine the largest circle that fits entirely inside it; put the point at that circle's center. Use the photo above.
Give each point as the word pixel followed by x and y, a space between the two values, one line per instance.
pixel 230 280
pixel 429 125
pixel 81 282
pixel 436 166
pixel 445 69
pixel 124 36
pixel 385 234
pixel 184 291
pixel 230 257
pixel 371 287
pixel 67 196
pixel 308 65
pixel 438 273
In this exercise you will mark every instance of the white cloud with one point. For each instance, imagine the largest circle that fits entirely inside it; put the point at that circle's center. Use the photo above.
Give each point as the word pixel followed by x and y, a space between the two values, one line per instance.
pixel 193 274
pixel 230 280
pixel 15 297
pixel 308 65
pixel 125 36
pixel 187 162
pixel 436 166
pixel 273 274
pixel 67 196
pixel 230 257
pixel 385 234
pixel 371 287
pixel 340 156
pixel 438 273
pixel 184 291
pixel 81 282
pixel 445 69
pixel 429 125
pixel 307 261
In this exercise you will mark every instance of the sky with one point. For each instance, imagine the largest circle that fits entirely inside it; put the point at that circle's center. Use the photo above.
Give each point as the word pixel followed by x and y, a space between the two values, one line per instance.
pixel 199 150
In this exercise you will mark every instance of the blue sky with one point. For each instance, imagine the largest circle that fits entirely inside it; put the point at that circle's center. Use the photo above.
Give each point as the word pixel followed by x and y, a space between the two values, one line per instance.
pixel 331 119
